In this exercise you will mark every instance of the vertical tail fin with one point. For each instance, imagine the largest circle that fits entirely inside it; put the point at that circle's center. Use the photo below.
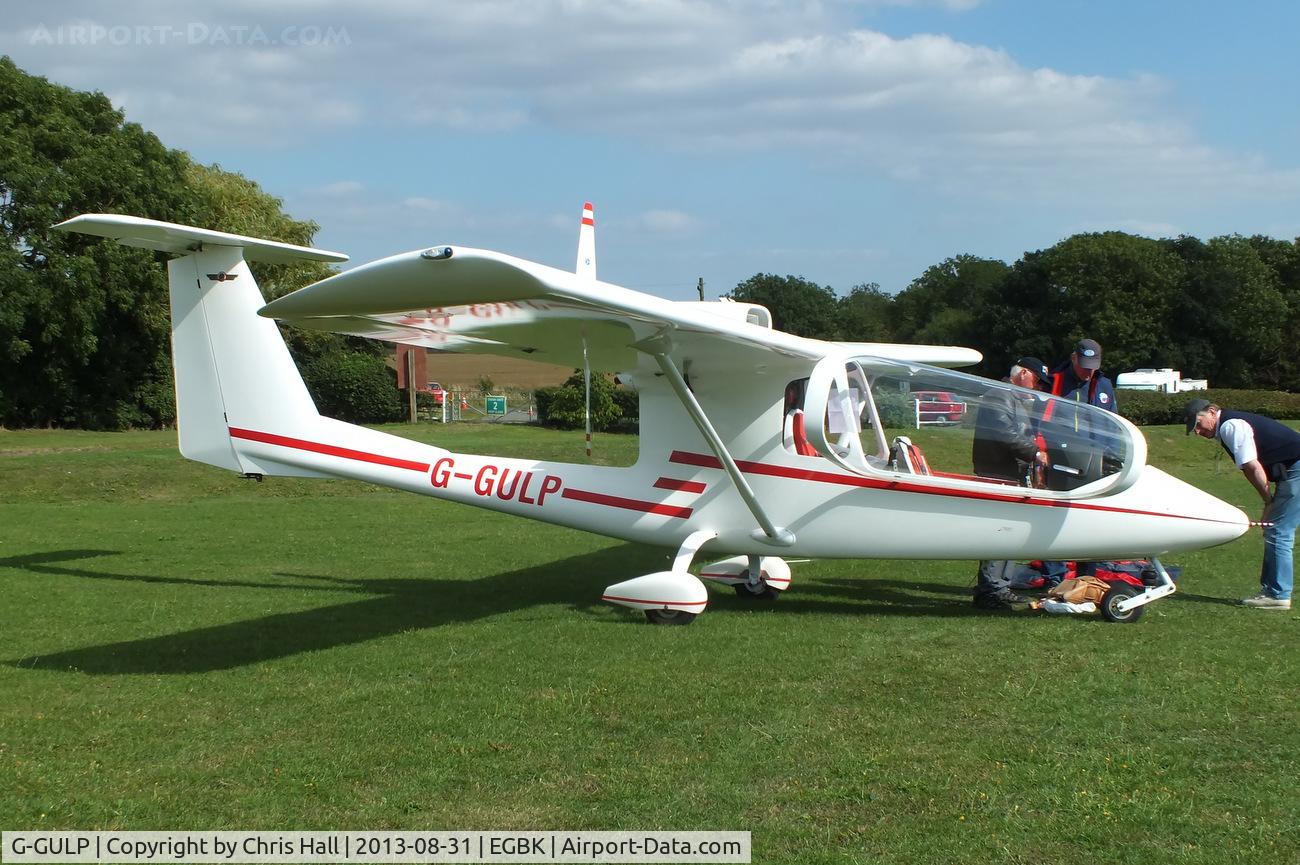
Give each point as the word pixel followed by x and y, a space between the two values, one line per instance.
pixel 587 243
pixel 233 370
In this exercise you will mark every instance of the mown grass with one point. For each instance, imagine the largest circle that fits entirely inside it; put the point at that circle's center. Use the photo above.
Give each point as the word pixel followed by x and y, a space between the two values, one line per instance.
pixel 186 649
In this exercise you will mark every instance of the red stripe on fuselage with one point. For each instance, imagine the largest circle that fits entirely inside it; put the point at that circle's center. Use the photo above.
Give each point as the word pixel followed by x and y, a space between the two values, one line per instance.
pixel 708 461
pixel 627 504
pixel 679 486
pixel 328 450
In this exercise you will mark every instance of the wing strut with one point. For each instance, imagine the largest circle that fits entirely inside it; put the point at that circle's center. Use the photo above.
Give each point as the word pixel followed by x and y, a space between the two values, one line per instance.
pixel 586 383
pixel 769 532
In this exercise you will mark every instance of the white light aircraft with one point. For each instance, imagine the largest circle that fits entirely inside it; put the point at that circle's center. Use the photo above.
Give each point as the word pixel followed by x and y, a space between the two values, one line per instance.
pixel 726 461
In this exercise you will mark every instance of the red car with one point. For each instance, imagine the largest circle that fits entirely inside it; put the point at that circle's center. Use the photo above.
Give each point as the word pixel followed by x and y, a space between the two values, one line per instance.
pixel 939 406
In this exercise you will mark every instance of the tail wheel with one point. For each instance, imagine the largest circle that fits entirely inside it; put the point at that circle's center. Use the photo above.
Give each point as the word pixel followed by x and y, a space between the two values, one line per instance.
pixel 669 617
pixel 1111 599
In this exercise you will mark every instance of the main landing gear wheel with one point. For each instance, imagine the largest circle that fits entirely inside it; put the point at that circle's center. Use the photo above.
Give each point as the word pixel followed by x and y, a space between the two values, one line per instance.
pixel 669 617
pixel 1117 593
pixel 761 592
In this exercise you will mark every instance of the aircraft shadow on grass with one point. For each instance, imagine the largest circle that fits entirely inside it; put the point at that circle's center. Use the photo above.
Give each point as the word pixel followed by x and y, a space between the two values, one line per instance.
pixel 383 607
pixel 390 606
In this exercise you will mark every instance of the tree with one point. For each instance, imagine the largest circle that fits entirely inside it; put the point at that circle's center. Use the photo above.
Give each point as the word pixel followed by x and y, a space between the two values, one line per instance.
pixel 84 323
pixel 1114 287
pixel 1233 313
pixel 565 406
pixel 1194 321
pixel 865 314
pixel 798 306
pixel 943 305
pixel 1283 258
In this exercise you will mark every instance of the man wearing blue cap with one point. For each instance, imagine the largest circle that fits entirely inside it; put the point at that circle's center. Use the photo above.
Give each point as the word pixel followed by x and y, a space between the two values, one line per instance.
pixel 1078 380
pixel 1265 451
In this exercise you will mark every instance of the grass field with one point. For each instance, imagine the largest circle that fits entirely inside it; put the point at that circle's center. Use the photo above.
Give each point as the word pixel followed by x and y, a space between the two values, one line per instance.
pixel 183 649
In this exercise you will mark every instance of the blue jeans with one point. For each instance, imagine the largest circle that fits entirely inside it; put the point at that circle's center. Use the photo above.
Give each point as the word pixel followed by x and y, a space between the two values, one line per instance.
pixel 1054 572
pixel 1277 576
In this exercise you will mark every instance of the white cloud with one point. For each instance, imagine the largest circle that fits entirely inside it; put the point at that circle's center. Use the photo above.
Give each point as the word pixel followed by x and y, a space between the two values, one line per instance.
pixel 427 205
pixel 689 75
pixel 1285 230
pixel 186 72
pixel 665 222
pixel 339 189
pixel 1142 227
pixel 348 207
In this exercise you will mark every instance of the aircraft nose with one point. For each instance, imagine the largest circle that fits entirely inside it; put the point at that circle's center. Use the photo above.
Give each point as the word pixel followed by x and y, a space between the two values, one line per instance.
pixel 1200 519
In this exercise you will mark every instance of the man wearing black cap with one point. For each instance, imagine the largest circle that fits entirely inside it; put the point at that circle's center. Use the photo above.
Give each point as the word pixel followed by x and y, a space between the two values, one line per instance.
pixel 1005 447
pixel 1265 451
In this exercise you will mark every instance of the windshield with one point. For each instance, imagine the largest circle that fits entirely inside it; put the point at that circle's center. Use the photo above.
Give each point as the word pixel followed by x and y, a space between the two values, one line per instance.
pixel 887 417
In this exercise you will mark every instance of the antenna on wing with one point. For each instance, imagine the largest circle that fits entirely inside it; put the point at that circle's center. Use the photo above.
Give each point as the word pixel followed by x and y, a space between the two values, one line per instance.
pixel 587 243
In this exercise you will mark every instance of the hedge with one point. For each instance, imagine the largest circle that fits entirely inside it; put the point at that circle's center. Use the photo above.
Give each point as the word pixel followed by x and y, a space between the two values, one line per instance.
pixel 353 386
pixel 562 406
pixel 1149 408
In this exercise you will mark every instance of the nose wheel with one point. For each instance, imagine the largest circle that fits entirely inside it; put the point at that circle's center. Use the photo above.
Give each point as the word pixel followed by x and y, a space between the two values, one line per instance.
pixel 1112 601
pixel 1125 604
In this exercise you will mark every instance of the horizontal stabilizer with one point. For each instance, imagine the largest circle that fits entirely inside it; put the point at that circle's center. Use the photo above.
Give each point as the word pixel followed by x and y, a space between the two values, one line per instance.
pixel 184 239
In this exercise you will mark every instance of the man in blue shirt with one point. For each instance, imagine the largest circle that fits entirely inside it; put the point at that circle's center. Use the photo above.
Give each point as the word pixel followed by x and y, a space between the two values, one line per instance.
pixel 1265 451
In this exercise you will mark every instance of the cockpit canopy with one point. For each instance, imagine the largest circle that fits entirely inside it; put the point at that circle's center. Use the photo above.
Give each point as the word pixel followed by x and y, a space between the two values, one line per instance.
pixel 880 417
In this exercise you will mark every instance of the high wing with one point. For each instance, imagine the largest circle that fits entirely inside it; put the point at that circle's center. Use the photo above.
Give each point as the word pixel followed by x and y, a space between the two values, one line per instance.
pixel 461 299
pixel 477 301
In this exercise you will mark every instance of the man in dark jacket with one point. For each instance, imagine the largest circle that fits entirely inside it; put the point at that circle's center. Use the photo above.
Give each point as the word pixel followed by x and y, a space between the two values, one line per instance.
pixel 1005 448
pixel 1265 451
pixel 1073 444
pixel 1080 379
pixel 1075 455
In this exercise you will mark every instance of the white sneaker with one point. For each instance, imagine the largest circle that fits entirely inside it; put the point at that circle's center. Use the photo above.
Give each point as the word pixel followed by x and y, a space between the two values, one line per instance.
pixel 1052 605
pixel 1267 602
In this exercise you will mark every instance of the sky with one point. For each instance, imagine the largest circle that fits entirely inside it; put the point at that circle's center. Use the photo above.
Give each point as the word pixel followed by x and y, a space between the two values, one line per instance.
pixel 844 141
